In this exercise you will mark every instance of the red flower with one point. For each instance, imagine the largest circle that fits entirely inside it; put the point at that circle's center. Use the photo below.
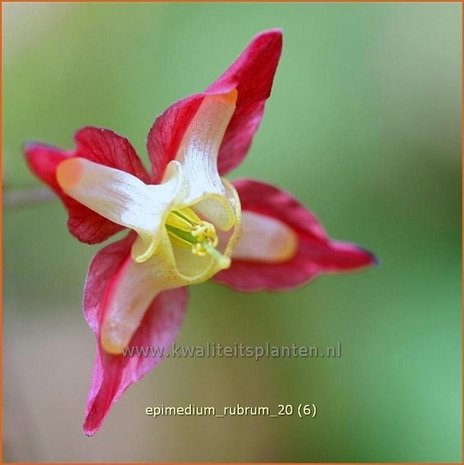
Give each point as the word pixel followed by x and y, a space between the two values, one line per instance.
pixel 188 223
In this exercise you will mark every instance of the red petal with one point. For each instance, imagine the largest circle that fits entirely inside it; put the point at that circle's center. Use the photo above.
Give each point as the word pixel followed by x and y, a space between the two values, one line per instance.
pixel 316 253
pixel 166 133
pixel 252 75
pixel 101 146
pixel 113 374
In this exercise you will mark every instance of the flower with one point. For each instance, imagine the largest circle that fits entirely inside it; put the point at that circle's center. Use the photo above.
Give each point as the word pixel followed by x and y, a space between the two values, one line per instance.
pixel 187 223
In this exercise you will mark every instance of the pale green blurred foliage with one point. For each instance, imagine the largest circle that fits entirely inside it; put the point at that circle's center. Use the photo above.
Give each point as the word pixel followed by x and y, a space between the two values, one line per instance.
pixel 363 126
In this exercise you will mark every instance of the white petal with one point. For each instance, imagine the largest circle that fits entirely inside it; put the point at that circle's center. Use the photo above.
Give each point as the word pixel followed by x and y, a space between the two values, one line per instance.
pixel 135 286
pixel 198 153
pixel 132 292
pixel 264 239
pixel 121 197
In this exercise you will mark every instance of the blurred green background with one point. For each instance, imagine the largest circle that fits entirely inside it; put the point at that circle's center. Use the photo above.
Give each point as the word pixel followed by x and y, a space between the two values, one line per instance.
pixel 363 126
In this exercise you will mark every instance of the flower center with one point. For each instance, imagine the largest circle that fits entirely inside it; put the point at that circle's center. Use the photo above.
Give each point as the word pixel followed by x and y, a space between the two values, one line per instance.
pixel 187 230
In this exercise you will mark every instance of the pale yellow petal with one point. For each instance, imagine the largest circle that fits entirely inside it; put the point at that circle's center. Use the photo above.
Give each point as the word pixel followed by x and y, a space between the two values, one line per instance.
pixel 264 239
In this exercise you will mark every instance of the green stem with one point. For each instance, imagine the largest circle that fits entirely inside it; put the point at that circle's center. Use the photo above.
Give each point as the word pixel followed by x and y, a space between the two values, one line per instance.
pixel 25 197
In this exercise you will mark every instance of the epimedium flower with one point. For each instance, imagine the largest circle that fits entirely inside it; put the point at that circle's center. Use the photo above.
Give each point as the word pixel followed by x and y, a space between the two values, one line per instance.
pixel 186 222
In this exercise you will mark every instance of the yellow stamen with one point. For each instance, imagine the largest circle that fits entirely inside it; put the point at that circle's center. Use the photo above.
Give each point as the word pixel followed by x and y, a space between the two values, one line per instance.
pixel 187 230
pixel 222 260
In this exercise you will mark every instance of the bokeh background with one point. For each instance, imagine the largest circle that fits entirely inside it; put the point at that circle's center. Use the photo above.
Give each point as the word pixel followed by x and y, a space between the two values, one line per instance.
pixel 363 126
